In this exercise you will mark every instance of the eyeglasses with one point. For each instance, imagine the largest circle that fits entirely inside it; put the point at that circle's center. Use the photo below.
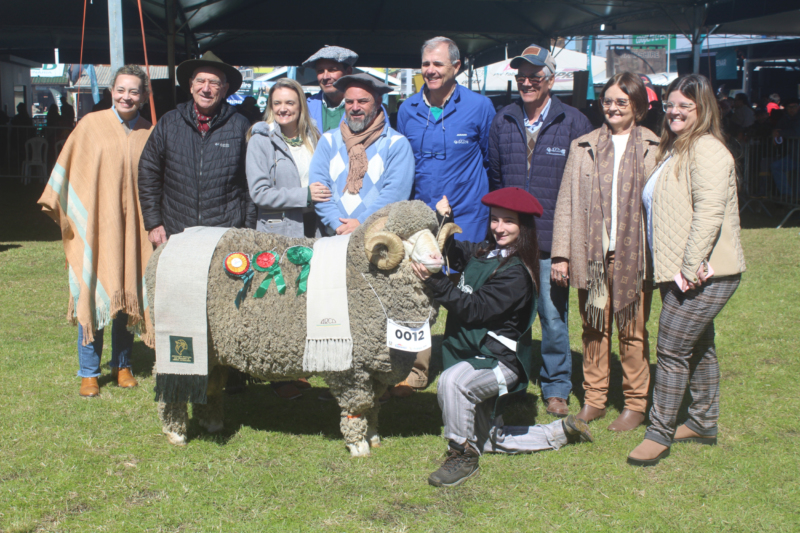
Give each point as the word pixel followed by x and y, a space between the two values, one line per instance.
pixel 430 153
pixel 215 84
pixel 669 106
pixel 534 80
pixel 621 103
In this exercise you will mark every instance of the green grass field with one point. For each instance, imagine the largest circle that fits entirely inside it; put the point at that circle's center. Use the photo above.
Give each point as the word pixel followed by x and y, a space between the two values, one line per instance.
pixel 69 464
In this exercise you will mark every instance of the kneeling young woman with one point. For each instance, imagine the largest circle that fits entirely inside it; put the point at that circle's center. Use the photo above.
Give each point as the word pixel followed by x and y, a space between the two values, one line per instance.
pixel 487 346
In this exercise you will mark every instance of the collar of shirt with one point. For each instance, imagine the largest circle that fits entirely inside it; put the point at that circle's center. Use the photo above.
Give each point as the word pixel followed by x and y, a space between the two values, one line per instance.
pixel 325 103
pixel 539 121
pixel 131 122
pixel 502 252
pixel 449 96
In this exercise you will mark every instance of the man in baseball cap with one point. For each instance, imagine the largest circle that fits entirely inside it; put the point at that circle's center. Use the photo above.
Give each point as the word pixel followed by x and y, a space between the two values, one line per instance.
pixel 529 145
pixel 327 106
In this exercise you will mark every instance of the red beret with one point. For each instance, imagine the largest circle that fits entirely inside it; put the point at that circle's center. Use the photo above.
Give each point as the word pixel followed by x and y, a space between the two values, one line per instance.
pixel 514 199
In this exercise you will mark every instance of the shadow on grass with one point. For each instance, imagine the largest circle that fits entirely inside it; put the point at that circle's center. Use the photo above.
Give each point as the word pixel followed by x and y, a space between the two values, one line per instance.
pixel 4 247
pixel 21 219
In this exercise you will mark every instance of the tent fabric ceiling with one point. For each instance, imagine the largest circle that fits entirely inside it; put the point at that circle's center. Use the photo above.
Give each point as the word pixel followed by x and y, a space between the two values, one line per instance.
pixel 257 32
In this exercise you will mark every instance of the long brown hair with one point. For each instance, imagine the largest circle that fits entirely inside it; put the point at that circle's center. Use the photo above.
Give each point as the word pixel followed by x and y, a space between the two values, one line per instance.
pixel 305 126
pixel 526 248
pixel 697 89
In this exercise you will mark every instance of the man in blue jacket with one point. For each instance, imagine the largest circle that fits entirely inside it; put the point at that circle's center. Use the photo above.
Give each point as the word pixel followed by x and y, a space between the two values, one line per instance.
pixel 448 128
pixel 327 106
pixel 365 163
pixel 528 148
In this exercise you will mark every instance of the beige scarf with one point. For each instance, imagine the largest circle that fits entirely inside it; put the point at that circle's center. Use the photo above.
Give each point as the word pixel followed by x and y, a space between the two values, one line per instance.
pixel 628 255
pixel 357 144
pixel 93 196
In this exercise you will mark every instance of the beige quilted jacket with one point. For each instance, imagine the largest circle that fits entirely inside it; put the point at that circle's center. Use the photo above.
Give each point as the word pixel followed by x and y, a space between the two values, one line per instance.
pixel 696 215
pixel 572 209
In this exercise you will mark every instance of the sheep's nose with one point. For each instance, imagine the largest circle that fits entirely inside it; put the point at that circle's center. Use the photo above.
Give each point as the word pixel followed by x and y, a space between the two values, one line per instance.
pixel 437 258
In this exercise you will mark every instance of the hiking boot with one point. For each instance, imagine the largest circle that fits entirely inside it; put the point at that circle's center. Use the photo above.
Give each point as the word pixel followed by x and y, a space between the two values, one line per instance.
pixel 576 430
pixel 457 468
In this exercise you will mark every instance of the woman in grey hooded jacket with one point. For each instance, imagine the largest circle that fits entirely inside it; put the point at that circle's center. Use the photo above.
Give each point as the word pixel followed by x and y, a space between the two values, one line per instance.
pixel 279 151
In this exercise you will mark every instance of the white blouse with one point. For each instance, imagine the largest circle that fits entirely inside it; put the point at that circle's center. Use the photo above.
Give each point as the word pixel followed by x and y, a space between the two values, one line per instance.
pixel 302 158
pixel 647 201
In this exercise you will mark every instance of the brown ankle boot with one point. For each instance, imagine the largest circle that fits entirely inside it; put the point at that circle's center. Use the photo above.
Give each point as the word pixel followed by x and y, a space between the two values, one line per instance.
pixel 684 434
pixel 648 453
pixel 589 413
pixel 89 387
pixel 124 377
pixel 627 420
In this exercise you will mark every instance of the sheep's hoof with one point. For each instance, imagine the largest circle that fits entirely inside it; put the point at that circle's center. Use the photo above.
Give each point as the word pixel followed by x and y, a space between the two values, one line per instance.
pixel 212 427
pixel 359 449
pixel 175 438
pixel 375 441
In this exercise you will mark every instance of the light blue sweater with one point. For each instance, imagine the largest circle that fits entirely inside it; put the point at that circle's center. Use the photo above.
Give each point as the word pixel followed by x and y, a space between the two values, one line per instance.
pixel 389 179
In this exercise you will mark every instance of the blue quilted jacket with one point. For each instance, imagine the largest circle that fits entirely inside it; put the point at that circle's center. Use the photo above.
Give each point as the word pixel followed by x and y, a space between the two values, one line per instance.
pixel 508 149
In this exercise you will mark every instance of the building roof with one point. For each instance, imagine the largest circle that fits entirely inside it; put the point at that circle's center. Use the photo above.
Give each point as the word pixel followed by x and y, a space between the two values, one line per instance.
pixel 105 76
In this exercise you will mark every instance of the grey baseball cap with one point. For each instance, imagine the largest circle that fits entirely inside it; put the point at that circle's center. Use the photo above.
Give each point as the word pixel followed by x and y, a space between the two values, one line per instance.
pixel 334 53
pixel 365 80
pixel 535 55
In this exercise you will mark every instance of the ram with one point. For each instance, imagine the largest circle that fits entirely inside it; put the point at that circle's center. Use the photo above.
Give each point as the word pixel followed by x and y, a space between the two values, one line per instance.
pixel 266 337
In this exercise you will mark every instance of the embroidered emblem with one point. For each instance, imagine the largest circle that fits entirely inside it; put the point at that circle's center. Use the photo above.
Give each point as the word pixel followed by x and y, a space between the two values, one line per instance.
pixel 463 287
pixel 180 350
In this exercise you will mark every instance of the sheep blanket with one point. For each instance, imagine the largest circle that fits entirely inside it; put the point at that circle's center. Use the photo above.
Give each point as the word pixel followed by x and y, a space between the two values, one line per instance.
pixel 181 320
pixel 329 344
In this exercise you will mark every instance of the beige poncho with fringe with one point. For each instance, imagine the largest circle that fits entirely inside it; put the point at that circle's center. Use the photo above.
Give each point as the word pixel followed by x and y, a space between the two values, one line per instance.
pixel 93 196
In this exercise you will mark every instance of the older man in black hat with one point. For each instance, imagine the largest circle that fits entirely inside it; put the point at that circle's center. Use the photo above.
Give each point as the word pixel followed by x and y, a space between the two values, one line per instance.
pixel 192 170
pixel 365 163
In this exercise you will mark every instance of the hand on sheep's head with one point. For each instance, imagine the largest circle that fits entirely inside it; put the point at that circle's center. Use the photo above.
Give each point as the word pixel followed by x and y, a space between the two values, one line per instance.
pixel 420 271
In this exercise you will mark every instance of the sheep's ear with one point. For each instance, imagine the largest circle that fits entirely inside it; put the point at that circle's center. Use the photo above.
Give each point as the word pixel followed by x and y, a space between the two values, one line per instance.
pixel 447 230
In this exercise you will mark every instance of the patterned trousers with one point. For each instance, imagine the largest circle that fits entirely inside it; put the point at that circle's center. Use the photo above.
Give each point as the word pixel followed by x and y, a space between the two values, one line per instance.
pixel 467 396
pixel 687 355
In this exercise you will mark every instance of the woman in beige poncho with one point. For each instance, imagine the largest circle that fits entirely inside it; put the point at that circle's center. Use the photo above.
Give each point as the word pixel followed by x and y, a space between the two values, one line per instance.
pixel 93 195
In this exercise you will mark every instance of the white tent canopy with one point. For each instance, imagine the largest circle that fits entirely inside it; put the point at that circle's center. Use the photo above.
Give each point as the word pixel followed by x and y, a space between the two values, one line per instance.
pixel 662 79
pixel 567 63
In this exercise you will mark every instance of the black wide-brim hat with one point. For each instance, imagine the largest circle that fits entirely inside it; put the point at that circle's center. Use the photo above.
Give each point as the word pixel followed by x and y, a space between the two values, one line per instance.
pixel 186 69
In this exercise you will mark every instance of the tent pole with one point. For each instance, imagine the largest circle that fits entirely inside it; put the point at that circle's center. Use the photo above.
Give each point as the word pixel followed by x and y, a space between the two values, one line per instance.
pixel 697 37
pixel 469 76
pixel 169 7
pixel 115 33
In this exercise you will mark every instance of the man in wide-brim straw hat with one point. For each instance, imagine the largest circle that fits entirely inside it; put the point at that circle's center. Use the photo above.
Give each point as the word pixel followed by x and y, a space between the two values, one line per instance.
pixel 192 170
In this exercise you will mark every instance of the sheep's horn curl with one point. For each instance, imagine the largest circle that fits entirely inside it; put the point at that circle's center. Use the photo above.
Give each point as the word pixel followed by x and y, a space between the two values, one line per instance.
pixel 394 249
pixel 445 233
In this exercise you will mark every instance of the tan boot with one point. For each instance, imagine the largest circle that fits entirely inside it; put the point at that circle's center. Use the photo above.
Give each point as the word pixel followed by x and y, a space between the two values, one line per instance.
pixel 89 387
pixel 627 420
pixel 402 390
pixel 648 453
pixel 556 407
pixel 589 413
pixel 124 378
pixel 684 434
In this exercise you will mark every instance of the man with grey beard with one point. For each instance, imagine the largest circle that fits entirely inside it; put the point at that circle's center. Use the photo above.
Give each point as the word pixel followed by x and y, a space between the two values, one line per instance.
pixel 365 163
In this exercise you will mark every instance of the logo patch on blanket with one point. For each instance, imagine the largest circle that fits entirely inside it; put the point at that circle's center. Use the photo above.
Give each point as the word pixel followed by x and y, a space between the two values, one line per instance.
pixel 180 350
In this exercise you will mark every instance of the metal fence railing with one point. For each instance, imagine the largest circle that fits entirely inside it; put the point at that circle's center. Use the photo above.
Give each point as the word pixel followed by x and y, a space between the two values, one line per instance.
pixel 771 173
pixel 30 152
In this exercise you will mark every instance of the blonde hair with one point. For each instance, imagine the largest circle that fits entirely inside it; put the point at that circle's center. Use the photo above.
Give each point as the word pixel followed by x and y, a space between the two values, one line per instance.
pixel 305 127
pixel 697 89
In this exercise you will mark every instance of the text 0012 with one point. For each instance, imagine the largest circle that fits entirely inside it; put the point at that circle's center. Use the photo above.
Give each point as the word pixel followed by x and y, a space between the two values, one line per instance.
pixel 408 339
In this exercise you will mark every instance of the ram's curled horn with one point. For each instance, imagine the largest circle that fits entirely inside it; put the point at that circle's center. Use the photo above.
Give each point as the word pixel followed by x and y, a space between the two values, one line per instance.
pixel 448 229
pixel 393 254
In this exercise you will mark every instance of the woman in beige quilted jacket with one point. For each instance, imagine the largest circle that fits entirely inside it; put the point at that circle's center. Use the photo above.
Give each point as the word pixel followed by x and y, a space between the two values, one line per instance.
pixel 599 244
pixel 693 235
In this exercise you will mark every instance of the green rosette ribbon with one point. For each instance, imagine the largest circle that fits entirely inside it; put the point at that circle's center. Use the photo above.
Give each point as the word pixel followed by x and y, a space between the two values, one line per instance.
pixel 269 262
pixel 301 256
pixel 247 278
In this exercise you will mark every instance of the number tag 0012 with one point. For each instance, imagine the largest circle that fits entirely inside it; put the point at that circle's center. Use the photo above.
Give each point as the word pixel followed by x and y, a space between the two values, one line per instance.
pixel 408 339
